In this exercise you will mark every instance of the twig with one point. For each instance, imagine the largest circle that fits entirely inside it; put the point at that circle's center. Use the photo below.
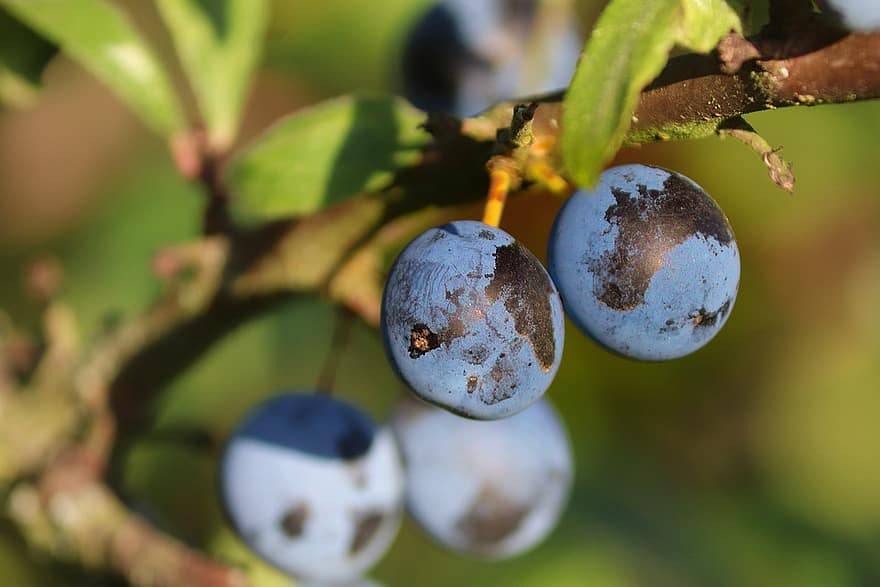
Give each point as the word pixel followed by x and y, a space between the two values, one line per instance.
pixel 778 168
pixel 338 343
pixel 74 517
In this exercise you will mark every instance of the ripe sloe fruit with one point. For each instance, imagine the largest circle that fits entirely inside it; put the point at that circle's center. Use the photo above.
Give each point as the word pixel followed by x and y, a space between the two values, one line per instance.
pixel 313 487
pixel 646 263
pixel 493 489
pixel 463 56
pixel 472 321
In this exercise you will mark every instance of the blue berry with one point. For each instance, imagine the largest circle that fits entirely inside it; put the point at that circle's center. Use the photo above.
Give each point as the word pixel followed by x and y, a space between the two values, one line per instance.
pixel 311 486
pixel 646 263
pixel 493 489
pixel 856 15
pixel 463 56
pixel 472 322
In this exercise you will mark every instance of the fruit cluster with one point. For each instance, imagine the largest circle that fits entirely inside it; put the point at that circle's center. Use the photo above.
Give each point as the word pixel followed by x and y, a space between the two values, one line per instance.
pixel 315 488
pixel 645 264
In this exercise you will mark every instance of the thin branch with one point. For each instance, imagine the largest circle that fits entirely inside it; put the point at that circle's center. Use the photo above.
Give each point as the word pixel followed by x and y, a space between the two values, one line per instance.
pixel 74 517
pixel 778 168
pixel 338 343
pixel 693 96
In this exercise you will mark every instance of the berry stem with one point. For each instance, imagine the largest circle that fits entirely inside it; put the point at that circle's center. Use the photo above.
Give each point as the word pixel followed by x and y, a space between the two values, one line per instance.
pixel 544 175
pixel 499 186
pixel 341 336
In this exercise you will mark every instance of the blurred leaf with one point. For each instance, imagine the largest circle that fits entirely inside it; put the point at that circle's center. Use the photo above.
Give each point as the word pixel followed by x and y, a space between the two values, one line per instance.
pixel 219 43
pixel 705 22
pixel 23 57
pixel 98 36
pixel 323 155
pixel 304 42
pixel 628 48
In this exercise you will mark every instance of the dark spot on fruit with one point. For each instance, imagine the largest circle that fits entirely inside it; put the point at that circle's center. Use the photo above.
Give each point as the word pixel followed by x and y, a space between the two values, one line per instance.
pixel 454 296
pixel 648 228
pixel 476 355
pixel 526 289
pixel 503 374
pixel 491 518
pixel 497 372
pixel 472 383
pixel 293 522
pixel 486 235
pixel 670 326
pixel 367 525
pixel 703 318
pixel 422 340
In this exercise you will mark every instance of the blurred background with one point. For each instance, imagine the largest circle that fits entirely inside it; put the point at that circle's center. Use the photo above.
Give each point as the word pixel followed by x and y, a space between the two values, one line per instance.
pixel 753 462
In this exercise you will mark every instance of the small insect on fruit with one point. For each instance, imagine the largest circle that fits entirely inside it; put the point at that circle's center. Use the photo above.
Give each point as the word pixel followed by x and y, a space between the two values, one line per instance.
pixel 646 263
pixel 313 487
pixel 472 321
pixel 493 489
pixel 463 56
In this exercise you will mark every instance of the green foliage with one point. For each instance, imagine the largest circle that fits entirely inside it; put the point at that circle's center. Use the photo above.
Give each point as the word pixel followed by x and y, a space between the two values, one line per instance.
pixel 323 155
pixel 628 48
pixel 219 43
pixel 704 22
pixel 98 36
pixel 338 45
pixel 23 57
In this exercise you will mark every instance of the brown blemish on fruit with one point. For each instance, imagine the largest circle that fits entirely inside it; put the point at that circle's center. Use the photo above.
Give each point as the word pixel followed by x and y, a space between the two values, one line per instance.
pixel 293 522
pixel 366 528
pixel 472 383
pixel 526 289
pixel 503 374
pixel 703 318
pixel 422 340
pixel 648 228
pixel 491 518
pixel 476 354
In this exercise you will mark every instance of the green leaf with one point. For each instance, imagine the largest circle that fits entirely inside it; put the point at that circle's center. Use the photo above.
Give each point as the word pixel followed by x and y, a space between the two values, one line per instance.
pixel 23 57
pixel 705 22
pixel 98 36
pixel 627 49
pixel 323 155
pixel 219 43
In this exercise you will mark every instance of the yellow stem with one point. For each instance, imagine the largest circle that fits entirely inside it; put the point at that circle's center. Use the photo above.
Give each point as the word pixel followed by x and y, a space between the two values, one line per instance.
pixel 499 186
pixel 544 175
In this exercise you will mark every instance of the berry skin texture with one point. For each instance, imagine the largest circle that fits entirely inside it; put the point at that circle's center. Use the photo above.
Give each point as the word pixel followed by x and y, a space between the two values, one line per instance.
pixel 491 489
pixel 463 56
pixel 313 487
pixel 646 263
pixel 472 321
